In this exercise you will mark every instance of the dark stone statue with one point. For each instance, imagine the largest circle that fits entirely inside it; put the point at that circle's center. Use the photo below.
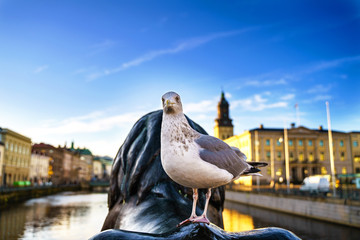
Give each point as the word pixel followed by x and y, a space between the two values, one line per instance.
pixel 144 203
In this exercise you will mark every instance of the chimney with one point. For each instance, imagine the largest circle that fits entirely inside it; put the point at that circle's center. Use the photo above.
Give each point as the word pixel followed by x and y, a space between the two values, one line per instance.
pixel 320 128
pixel 261 126
pixel 292 125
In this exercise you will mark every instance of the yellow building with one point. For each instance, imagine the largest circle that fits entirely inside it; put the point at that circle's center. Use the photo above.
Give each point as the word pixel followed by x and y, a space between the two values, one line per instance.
pixel 17 156
pixel 2 152
pixel 223 124
pixel 355 150
pixel 308 151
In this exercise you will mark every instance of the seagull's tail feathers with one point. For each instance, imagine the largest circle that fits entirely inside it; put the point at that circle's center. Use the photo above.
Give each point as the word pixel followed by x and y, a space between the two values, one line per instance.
pixel 257 164
pixel 251 171
pixel 254 174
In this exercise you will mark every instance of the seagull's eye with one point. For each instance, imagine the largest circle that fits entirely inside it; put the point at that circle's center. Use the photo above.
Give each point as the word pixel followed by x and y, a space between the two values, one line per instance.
pixel 177 98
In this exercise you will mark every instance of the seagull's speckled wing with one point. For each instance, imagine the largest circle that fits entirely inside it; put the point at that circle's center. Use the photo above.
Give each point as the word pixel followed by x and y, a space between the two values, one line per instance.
pixel 218 153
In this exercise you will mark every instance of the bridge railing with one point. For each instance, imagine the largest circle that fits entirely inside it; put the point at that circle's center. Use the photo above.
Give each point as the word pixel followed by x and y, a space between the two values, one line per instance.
pixel 347 192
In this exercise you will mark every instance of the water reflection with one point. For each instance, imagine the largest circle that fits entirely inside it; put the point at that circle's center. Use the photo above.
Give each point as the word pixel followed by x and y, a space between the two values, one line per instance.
pixel 234 221
pixel 64 216
pixel 236 218
pixel 80 216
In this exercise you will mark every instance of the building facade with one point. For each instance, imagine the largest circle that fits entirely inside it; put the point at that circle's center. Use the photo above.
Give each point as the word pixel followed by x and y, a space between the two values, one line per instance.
pixel 102 167
pixel 223 124
pixel 39 168
pixel 60 166
pixel 97 168
pixel 308 151
pixel 16 158
pixel 2 153
pixel 83 160
pixel 355 150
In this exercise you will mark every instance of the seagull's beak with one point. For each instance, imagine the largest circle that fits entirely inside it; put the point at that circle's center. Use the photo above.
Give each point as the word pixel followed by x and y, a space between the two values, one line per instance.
pixel 168 103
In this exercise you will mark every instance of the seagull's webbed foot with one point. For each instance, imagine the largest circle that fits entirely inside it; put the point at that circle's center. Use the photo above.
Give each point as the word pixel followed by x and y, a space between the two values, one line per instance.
pixel 201 219
pixel 190 219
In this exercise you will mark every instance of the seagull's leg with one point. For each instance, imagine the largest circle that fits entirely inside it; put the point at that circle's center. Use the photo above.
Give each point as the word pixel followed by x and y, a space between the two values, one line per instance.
pixel 193 212
pixel 203 218
pixel 195 198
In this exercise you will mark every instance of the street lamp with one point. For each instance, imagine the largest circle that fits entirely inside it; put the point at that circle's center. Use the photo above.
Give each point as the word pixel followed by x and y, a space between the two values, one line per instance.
pixel 331 151
pixel 257 155
pixel 287 165
pixel 272 156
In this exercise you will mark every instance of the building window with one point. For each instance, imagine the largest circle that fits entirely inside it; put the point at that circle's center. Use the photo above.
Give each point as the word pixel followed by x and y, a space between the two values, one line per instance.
pixel 323 171
pixel 311 157
pixel 357 170
pixel 291 156
pixel 322 156
pixel 341 143
pixel 343 170
pixel 355 143
pixel 300 142
pixel 290 142
pixel 278 143
pixel 279 156
pixel 357 159
pixel 268 156
pixel 310 142
pixel 342 156
pixel 301 156
pixel 321 143
pixel 267 142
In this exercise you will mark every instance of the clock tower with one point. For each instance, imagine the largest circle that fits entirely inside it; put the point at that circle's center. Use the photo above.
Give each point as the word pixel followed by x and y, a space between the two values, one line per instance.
pixel 223 124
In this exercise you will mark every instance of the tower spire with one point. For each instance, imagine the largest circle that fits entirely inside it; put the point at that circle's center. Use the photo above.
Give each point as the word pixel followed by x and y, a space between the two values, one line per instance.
pixel 223 123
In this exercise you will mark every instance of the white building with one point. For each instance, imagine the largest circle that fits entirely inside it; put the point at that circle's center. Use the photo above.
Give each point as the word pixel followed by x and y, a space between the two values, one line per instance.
pixel 39 168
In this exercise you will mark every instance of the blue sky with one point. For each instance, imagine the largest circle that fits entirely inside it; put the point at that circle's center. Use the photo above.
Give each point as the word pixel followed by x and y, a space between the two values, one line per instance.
pixel 87 70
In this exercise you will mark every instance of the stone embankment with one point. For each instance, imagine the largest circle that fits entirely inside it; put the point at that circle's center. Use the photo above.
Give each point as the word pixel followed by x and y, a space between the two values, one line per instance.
pixel 17 195
pixel 339 211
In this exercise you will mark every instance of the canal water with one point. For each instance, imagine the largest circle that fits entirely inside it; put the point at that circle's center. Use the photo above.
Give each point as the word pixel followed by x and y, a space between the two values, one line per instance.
pixel 80 215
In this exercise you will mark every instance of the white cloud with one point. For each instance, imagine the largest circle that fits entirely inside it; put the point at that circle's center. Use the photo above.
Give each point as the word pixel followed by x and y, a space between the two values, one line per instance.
pixel 330 64
pixel 256 103
pixel 319 89
pixel 90 123
pixel 228 95
pixel 101 46
pixel 41 68
pixel 265 83
pixel 318 98
pixel 288 96
pixel 183 46
pixel 200 107
pixel 322 98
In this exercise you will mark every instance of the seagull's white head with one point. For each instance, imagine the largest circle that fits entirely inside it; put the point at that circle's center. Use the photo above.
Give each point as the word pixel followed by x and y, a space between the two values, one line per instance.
pixel 171 103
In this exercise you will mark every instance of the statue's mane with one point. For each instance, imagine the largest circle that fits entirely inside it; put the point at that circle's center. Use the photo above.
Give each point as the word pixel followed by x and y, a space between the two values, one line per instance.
pixel 137 166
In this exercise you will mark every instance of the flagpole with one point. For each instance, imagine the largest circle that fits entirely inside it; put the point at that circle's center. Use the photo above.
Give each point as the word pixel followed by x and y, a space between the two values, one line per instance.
pixel 287 165
pixel 331 150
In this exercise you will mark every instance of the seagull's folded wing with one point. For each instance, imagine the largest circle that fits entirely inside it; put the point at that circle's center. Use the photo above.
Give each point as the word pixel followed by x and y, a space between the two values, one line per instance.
pixel 218 153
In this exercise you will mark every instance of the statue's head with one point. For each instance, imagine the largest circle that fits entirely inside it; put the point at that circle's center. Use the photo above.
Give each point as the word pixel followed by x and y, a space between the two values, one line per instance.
pixel 142 197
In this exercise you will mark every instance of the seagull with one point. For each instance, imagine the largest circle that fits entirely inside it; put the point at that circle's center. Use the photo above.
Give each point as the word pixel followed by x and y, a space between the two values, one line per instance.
pixel 196 160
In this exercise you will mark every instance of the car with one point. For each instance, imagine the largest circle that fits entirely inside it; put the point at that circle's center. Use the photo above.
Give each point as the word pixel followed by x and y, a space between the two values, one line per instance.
pixel 316 184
